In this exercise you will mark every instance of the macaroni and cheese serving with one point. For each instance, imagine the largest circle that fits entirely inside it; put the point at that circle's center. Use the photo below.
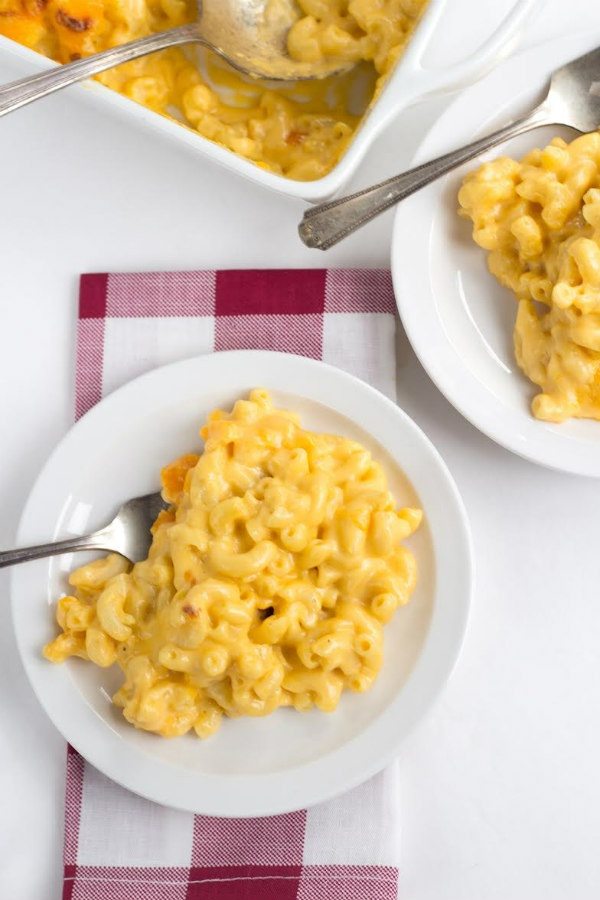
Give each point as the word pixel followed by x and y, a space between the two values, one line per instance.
pixel 540 220
pixel 267 584
pixel 300 132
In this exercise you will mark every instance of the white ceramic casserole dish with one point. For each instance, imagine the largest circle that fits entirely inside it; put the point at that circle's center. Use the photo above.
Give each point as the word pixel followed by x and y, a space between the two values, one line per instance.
pixel 410 81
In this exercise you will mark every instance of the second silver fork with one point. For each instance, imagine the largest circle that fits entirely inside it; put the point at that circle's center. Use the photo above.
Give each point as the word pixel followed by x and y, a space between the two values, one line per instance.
pixel 573 99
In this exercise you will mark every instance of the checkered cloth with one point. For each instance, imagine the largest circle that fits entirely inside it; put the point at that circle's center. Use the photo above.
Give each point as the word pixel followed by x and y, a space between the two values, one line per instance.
pixel 119 846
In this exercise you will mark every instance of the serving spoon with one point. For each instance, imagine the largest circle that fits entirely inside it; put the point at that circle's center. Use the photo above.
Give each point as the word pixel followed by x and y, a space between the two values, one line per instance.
pixel 250 35
pixel 128 534
pixel 573 99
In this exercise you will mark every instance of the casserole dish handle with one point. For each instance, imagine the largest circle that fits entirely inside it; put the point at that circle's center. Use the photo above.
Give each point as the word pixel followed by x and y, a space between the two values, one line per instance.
pixel 499 45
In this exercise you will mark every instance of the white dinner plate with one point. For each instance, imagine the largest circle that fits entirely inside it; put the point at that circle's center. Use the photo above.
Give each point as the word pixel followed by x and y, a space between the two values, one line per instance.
pixel 457 317
pixel 288 760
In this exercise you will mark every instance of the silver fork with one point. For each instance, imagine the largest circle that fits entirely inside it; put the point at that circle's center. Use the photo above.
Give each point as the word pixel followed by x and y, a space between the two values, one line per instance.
pixel 127 534
pixel 573 99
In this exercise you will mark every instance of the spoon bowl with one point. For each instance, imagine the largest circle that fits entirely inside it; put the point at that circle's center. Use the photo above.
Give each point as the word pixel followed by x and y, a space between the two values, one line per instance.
pixel 251 35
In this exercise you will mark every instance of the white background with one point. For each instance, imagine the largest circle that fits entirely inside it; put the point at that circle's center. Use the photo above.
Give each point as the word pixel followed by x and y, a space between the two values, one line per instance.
pixel 500 788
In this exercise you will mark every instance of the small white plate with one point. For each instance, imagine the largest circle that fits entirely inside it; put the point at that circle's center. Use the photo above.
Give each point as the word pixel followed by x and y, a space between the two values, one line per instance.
pixel 457 318
pixel 287 760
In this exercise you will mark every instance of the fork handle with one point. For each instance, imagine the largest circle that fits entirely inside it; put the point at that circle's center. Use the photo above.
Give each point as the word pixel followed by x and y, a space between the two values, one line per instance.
pixel 96 541
pixel 327 224
pixel 18 93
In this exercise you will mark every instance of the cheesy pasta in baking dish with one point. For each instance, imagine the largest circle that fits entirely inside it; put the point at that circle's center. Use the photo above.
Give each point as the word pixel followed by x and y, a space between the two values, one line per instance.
pixel 299 132
pixel 267 584
pixel 540 221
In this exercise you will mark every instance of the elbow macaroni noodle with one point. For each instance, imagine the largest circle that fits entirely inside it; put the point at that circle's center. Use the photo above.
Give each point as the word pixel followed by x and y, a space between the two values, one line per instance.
pixel 268 582
pixel 300 132
pixel 540 221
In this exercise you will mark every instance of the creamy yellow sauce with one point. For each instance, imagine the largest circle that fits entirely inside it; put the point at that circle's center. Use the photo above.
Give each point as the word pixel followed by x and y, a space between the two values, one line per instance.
pixel 268 583
pixel 540 221
pixel 299 131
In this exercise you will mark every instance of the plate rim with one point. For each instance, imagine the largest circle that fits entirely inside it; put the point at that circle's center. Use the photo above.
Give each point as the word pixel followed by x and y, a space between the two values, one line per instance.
pixel 176 793
pixel 451 378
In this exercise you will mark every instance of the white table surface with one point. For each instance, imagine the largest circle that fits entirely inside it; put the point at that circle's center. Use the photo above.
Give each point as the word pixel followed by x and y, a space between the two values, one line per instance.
pixel 500 789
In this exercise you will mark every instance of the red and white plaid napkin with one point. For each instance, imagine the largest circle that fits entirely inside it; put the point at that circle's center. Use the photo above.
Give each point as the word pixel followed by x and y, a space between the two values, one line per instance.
pixel 119 846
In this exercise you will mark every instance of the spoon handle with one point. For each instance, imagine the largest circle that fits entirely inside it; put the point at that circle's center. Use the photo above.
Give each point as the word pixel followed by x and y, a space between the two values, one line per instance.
pixel 18 93
pixel 96 541
pixel 327 224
